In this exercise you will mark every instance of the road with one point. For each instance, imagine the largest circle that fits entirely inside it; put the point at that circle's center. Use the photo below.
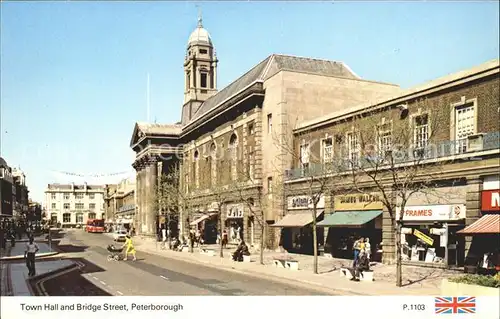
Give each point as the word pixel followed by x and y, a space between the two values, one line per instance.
pixel 157 275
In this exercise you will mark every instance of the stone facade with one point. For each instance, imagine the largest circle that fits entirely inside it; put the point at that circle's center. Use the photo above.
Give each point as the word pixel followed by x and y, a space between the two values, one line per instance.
pixel 458 161
pixel 232 138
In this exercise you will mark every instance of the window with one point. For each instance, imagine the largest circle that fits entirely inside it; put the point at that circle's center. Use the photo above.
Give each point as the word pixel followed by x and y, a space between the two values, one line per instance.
pixel 188 81
pixel 352 149
pixel 79 206
pixel 92 206
pixel 465 125
pixel 66 196
pixel 53 196
pixel 186 183
pixel 304 156
pixel 66 218
pixel 196 156
pixel 92 215
pixel 66 206
pixel 91 196
pixel 203 51
pixel 213 164
pixel 203 80
pixel 269 123
pixel 53 205
pixel 421 133
pixel 250 163
pixel 251 128
pixel 79 218
pixel 233 149
pixel 270 185
pixel 327 150
pixel 384 139
pixel 79 196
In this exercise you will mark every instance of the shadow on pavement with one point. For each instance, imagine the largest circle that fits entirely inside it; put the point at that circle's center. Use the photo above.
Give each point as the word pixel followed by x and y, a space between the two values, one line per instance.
pixel 71 248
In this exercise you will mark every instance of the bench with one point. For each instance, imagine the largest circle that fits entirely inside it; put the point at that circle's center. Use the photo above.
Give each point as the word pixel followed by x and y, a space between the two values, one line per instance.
pixel 208 252
pixel 363 276
pixel 286 263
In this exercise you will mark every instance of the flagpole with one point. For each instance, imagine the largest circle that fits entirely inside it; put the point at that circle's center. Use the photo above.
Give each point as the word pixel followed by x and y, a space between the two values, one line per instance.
pixel 148 102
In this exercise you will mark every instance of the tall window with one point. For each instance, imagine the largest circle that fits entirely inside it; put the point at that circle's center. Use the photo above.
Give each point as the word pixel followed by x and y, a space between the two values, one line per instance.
pixel 250 163
pixel 421 133
pixel 186 183
pixel 188 81
pixel 251 128
pixel 352 149
pixel 196 164
pixel 92 215
pixel 91 196
pixel 79 196
pixel 53 196
pixel 66 218
pixel 233 149
pixel 79 218
pixel 327 150
pixel 304 156
pixel 92 206
pixel 203 80
pixel 384 139
pixel 66 206
pixel 213 164
pixel 53 206
pixel 66 196
pixel 79 206
pixel 270 186
pixel 465 125
pixel 269 123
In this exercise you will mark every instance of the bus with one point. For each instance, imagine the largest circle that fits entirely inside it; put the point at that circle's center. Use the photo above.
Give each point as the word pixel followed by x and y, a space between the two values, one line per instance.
pixel 95 226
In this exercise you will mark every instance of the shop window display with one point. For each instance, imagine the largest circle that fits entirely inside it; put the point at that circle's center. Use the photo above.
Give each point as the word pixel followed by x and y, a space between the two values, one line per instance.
pixel 424 244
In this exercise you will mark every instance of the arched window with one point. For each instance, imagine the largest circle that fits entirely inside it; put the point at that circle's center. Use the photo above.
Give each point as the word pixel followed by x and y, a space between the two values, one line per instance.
pixel 213 164
pixel 196 156
pixel 233 149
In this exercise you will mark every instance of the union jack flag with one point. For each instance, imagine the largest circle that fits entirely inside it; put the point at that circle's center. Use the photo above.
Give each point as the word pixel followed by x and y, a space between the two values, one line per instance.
pixel 446 305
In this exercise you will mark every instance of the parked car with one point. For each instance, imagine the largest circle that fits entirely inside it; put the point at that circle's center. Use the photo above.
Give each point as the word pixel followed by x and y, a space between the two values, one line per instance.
pixel 119 235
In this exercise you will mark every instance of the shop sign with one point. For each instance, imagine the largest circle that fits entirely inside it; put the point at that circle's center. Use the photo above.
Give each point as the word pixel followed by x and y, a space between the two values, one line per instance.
pixel 304 202
pixel 491 182
pixel 426 239
pixel 235 211
pixel 358 202
pixel 433 212
pixel 490 200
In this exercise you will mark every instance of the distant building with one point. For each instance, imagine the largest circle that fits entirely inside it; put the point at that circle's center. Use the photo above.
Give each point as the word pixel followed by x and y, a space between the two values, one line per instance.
pixel 19 194
pixel 120 202
pixel 71 204
pixel 6 181
pixel 34 211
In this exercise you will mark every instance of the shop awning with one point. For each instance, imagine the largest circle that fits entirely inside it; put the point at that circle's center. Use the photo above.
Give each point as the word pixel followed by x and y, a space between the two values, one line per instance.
pixel 202 218
pixel 488 224
pixel 349 218
pixel 296 219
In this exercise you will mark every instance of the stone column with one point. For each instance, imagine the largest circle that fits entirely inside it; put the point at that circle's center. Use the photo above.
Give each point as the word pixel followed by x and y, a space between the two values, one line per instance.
pixel 473 207
pixel 143 199
pixel 151 178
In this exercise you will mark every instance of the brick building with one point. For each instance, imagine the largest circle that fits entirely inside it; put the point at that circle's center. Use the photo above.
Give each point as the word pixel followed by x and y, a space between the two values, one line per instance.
pixel 119 202
pixel 448 133
pixel 223 133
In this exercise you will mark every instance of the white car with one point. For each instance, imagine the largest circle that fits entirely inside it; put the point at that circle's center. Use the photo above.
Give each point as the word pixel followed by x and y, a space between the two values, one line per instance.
pixel 119 235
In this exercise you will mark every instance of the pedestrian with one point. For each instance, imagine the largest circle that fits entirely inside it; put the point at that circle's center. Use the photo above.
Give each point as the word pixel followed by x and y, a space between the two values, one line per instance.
pixel 356 248
pixel 224 238
pixel 368 249
pixel 29 255
pixel 129 248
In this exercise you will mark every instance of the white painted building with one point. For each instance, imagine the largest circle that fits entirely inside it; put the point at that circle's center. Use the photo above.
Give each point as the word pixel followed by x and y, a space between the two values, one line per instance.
pixel 71 204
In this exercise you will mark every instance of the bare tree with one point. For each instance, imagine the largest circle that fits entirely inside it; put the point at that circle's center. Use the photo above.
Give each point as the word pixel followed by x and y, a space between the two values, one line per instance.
pixel 317 173
pixel 396 158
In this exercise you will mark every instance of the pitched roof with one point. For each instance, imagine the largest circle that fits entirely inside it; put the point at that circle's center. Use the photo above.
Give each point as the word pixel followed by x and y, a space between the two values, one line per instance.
pixel 270 66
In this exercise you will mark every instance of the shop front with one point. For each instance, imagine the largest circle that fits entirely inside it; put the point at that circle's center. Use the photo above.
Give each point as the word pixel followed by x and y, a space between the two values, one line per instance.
pixel 354 216
pixel 234 223
pixel 429 235
pixel 484 254
pixel 296 231
pixel 205 222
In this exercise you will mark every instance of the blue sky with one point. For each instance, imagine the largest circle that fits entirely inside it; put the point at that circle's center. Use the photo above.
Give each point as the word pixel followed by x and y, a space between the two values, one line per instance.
pixel 73 74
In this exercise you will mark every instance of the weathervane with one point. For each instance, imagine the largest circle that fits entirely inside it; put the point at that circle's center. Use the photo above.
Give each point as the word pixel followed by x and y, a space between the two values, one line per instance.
pixel 200 19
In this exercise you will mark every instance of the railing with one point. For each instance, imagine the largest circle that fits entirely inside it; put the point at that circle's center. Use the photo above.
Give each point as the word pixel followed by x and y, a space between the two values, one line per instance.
pixel 446 149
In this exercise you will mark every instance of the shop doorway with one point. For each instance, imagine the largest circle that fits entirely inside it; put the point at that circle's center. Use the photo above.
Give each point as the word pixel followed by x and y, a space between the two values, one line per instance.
pixel 340 241
pixel 299 240
pixel 234 228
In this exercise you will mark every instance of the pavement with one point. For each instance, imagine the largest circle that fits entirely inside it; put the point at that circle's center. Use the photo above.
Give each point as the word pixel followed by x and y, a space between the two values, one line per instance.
pixel 416 280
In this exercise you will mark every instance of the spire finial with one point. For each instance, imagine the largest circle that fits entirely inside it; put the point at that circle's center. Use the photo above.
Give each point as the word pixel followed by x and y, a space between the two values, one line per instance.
pixel 200 19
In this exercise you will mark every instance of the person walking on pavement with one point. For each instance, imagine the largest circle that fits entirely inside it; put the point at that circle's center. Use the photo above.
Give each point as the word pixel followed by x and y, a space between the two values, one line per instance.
pixel 29 255
pixel 368 249
pixel 356 249
pixel 129 248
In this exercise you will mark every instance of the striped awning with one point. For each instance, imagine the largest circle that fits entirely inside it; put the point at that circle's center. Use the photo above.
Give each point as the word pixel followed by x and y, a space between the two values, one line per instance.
pixel 488 224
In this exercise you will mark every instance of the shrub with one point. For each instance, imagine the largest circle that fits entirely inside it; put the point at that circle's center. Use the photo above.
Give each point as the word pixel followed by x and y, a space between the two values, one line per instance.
pixel 480 280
